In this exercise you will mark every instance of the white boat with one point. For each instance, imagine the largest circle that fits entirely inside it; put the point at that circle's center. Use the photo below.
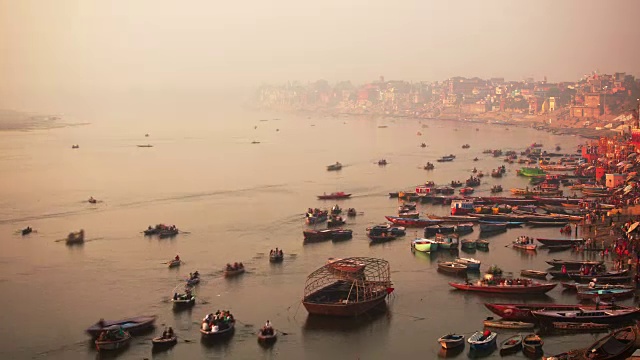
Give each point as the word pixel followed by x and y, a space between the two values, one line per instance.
pixel 424 245
pixel 478 341
pixel 472 264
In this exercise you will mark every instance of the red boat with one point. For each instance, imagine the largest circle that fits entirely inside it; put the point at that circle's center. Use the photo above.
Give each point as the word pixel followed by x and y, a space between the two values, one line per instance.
pixel 522 312
pixel 410 222
pixel 335 195
pixel 504 286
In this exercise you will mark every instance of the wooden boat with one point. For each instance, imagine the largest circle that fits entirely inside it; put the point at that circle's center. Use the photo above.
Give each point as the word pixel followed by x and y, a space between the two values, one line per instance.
pixel 578 286
pixel 600 276
pixel 580 326
pixel 424 245
pixel 330 293
pixel 447 242
pixel 605 294
pixel 379 238
pixel 394 230
pixel 194 279
pixel 547 223
pixel 317 235
pixel 482 244
pixel 506 324
pixel 75 146
pixel 183 298
pixel 113 344
pixel 221 333
pixel 509 224
pixel 335 221
pixel 132 325
pixel 534 274
pixel 26 231
pixel 161 343
pixel 514 289
pixel 316 218
pixel 169 232
pixel 468 244
pixel 334 167
pixel 478 341
pixel 233 272
pixel 174 263
pixel 341 234
pixel 511 345
pixel 409 222
pixel 522 312
pixel 607 316
pixel 452 267
pixel 572 264
pixel 532 344
pixel 519 245
pixel 345 266
pixel 617 345
pixel 75 238
pixel 554 248
pixel 351 212
pixel 472 264
pixel 334 196
pixel 268 338
pixel 276 257
pixel 451 341
pixel 493 227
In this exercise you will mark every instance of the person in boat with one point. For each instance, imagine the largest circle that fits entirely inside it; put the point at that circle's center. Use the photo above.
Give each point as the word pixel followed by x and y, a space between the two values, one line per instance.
pixel 196 275
pixel 240 266
pixel 101 323
pixel 592 284
pixel 235 266
pixel 229 267
pixel 563 269
pixel 281 253
pixel 177 258
pixel 175 296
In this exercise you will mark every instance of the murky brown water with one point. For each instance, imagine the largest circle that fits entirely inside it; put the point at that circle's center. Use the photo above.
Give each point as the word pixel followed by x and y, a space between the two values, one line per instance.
pixel 236 201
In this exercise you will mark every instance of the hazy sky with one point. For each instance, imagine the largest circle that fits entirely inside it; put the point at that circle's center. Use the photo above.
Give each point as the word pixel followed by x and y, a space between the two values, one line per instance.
pixel 57 47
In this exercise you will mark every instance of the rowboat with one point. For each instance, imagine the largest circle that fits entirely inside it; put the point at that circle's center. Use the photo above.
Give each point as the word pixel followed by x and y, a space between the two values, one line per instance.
pixel 546 223
pixel 601 276
pixel 345 266
pixel 170 232
pixel 493 227
pixel 183 296
pixel 451 341
pixel 553 248
pixel 26 231
pixel 132 325
pixel 534 274
pixel 478 341
pixel 452 267
pixel 509 224
pixel 467 244
pixel 220 333
pixel 597 316
pixel 518 245
pixel 113 343
pixel 174 263
pixel 424 245
pixel 571 326
pixel 276 257
pixel 233 272
pixel 161 343
pixel 572 264
pixel 617 345
pixel 532 344
pixel 265 338
pixel 75 238
pixel 505 324
pixel 578 286
pixel 514 289
pixel 523 312
pixel 334 196
pixel 605 294
pixel 379 238
pixel 341 234
pixel 317 235
pixel 334 167
pixel 511 345
pixel 447 241
pixel 472 264
pixel 482 244
pixel 409 222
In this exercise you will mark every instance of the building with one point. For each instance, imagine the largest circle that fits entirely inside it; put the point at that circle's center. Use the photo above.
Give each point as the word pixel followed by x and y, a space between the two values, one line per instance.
pixel 614 180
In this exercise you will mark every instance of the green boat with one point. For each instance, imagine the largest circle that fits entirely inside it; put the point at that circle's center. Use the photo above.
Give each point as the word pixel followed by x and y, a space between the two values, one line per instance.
pixel 446 242
pixel 424 245
pixel 531 172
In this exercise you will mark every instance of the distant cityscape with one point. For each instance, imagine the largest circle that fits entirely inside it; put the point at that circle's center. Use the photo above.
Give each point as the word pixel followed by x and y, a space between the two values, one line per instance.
pixel 597 101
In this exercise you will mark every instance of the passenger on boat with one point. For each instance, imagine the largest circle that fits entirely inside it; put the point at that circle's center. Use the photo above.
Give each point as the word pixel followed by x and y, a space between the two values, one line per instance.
pixel 240 266
pixel 592 284
pixel 229 267
pixel 175 296
pixel 101 323
pixel 235 266
pixel 281 253
pixel 177 258
pixel 196 275
pixel 563 269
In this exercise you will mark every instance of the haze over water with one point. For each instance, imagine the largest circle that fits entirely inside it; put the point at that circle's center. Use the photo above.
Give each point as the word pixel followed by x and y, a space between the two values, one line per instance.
pixel 237 200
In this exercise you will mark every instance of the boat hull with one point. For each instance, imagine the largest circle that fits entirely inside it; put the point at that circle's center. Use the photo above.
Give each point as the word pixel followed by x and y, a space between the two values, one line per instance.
pixel 343 310
pixel 132 325
pixel 506 290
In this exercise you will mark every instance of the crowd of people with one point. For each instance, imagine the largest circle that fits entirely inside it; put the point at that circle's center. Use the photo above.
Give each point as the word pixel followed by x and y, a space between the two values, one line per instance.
pixel 235 266
pixel 276 252
pixel 219 321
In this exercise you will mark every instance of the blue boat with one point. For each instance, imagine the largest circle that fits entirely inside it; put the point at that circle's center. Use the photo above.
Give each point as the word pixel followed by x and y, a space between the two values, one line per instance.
pixel 509 224
pixel 480 341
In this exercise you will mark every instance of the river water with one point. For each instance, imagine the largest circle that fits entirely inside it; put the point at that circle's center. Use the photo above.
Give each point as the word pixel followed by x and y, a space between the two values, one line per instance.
pixel 236 200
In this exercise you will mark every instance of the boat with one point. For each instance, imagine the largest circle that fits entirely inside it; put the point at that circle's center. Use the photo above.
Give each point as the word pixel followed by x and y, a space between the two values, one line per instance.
pixel 534 274
pixel 446 158
pixel 194 279
pixel 267 337
pixel 231 272
pixel 511 345
pixel 522 244
pixel 394 230
pixel 334 196
pixel 75 238
pixel 547 223
pixel 212 333
pixel 506 324
pixel 522 312
pixel 467 244
pixel 472 264
pixel 26 231
pixel 493 227
pixel 480 341
pixel 163 343
pixel 75 146
pixel 482 244
pixel 447 242
pixel 506 287
pixel 452 267
pixel 605 294
pixel 276 257
pixel 335 293
pixel 619 344
pixel 424 245
pixel 168 232
pixel 148 145
pixel 316 217
pixel 579 326
pixel 572 264
pixel 382 162
pixel 133 325
pixel 466 146
pixel 334 167
pixel 559 241
pixel 183 296
pixel 532 344
pixel 409 222
pixel 341 234
pixel 347 266
pixel 335 221
pixel 351 212
pixel 317 235
pixel 174 263
pixel 461 207
pixel 381 237
pixel 530 172
pixel 429 166
pixel 466 190
pixel 496 189
pixel 599 275
pixel 113 338
pixel 510 224
pixel 451 341
pixel 92 200
pixel 556 248
pixel 606 316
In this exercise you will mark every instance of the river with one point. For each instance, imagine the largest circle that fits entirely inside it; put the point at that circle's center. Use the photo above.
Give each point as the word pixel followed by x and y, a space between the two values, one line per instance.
pixel 236 201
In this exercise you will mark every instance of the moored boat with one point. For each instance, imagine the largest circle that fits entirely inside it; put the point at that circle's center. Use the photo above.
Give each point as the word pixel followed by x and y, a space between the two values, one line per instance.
pixel 607 316
pixel 579 326
pixel 424 245
pixel 532 344
pixel 452 267
pixel 523 312
pixel 511 345
pixel 547 223
pixel 617 345
pixel 572 264
pixel 559 241
pixel 472 264
pixel 468 244
pixel 482 340
pixel 493 227
pixel 334 196
pixel 409 222
pixel 505 286
pixel 506 324
pixel 132 325
pixel 451 341
pixel 534 274
pixel 482 244
pixel 605 294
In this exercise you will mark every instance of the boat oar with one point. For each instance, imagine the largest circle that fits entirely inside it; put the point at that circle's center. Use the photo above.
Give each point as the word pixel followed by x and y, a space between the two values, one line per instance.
pixel 183 339
pixel 282 332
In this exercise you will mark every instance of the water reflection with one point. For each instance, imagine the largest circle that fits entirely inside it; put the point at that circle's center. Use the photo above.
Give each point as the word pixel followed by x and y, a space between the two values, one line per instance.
pixel 449 353
pixel 481 353
pixel 380 317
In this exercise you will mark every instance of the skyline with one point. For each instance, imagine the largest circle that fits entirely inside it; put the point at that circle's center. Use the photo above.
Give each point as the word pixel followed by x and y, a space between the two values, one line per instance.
pixel 59 50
